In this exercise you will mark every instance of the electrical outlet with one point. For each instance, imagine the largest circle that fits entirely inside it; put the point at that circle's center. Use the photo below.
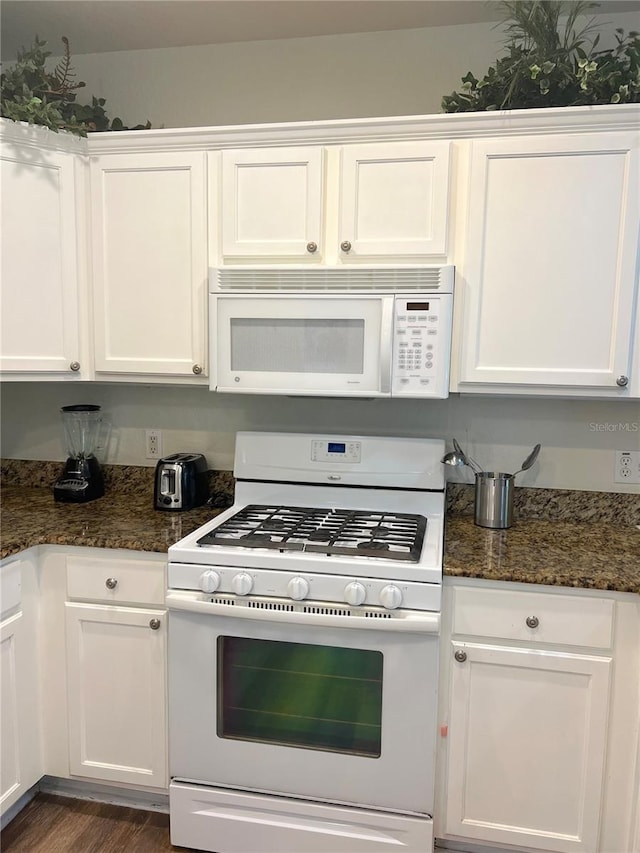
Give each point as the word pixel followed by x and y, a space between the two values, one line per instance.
pixel 627 466
pixel 153 443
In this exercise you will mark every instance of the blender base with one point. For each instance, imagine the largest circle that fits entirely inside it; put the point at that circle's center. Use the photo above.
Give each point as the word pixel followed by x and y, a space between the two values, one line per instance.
pixel 81 481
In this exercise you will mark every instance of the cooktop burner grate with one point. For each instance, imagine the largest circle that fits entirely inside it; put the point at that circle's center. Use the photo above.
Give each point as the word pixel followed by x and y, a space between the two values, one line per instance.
pixel 358 533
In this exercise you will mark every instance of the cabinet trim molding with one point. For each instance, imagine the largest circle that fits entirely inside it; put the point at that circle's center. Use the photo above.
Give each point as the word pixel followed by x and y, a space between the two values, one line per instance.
pixel 395 128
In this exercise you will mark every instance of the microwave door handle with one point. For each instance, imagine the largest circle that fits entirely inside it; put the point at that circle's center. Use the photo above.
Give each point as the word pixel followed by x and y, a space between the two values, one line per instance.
pixel 386 343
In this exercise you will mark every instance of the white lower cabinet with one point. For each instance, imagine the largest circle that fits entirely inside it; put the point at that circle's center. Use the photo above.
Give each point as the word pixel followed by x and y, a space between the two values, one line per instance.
pixel 534 720
pixel 20 729
pixel 116 650
pixel 116 689
pixel 528 737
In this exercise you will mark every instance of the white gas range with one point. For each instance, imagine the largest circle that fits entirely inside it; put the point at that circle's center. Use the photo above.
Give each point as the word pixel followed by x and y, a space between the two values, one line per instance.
pixel 303 650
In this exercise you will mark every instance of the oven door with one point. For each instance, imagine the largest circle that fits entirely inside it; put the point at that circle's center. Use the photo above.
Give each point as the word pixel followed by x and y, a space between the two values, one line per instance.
pixel 301 344
pixel 328 713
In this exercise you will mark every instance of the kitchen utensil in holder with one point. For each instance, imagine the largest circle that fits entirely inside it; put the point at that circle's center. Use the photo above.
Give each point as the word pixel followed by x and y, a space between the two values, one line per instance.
pixel 494 499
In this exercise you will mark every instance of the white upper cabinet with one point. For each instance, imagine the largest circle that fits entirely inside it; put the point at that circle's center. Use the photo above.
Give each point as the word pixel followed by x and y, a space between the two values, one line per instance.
pixel 41 328
pixel 336 204
pixel 394 199
pixel 149 228
pixel 550 273
pixel 272 201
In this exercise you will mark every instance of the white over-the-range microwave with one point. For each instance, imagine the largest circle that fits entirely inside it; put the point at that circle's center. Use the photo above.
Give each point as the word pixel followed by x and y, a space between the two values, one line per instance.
pixel 331 331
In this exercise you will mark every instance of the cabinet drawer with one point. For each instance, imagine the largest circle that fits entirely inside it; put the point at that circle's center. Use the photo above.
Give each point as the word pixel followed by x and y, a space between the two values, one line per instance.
pixel 116 581
pixel 533 617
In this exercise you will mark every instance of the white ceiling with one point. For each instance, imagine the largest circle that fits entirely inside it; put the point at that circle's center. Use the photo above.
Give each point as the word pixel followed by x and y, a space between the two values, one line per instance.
pixel 96 26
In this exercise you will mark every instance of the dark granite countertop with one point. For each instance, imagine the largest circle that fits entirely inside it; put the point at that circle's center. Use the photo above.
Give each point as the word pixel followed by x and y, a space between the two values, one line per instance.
pixel 594 555
pixel 559 550
pixel 30 517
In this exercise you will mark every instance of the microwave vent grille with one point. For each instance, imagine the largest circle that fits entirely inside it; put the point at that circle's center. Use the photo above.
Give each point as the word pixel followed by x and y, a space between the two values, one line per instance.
pixel 341 279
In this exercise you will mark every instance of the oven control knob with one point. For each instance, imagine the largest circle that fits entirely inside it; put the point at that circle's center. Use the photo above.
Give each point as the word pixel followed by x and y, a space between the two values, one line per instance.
pixel 390 597
pixel 298 588
pixel 354 593
pixel 242 583
pixel 209 581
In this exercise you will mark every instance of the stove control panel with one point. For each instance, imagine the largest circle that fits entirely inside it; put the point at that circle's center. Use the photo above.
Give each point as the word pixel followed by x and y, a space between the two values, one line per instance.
pixel 306 587
pixel 325 450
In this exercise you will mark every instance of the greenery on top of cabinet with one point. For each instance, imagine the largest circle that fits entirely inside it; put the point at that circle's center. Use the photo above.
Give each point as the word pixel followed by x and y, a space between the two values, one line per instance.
pixel 28 92
pixel 549 64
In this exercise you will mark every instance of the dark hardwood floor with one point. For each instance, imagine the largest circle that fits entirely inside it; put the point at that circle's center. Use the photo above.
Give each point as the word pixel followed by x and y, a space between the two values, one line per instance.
pixel 53 824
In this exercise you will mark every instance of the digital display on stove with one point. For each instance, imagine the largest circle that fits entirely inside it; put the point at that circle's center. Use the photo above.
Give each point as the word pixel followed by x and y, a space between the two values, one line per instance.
pixel 417 306
pixel 337 447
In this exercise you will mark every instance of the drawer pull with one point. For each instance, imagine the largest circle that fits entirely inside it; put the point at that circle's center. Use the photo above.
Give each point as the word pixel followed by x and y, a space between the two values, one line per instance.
pixel 312 247
pixel 533 621
pixel 111 583
pixel 154 624
pixel 460 656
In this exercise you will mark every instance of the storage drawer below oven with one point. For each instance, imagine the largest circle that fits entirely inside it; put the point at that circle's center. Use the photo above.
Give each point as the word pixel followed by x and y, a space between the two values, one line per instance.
pixel 227 821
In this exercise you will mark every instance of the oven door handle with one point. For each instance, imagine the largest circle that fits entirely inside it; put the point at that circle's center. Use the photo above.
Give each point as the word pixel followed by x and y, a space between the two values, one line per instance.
pixel 405 621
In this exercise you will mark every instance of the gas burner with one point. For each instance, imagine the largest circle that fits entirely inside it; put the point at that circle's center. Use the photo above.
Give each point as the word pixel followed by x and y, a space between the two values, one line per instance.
pixel 372 546
pixel 274 524
pixel 380 532
pixel 319 535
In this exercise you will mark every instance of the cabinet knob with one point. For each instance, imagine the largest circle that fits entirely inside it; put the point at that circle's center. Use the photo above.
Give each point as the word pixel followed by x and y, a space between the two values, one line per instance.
pixel 622 381
pixel 197 369
pixel 154 624
pixel 111 583
pixel 312 247
pixel 533 621
pixel 75 366
pixel 460 656
pixel 345 246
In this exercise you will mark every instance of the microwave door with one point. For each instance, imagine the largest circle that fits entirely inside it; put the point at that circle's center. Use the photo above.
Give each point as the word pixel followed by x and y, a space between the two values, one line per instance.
pixel 311 344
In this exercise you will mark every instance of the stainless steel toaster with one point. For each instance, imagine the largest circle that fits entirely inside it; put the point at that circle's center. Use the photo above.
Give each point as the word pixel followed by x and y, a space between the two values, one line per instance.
pixel 181 482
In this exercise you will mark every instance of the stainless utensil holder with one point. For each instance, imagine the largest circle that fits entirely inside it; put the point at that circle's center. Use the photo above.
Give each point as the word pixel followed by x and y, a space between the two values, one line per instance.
pixel 494 499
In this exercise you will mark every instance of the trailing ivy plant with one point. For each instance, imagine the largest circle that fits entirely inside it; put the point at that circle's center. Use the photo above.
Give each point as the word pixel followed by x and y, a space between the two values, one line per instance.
pixel 28 92
pixel 549 64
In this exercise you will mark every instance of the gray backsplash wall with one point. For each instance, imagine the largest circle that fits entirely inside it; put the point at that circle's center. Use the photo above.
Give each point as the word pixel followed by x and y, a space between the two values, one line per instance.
pixel 579 437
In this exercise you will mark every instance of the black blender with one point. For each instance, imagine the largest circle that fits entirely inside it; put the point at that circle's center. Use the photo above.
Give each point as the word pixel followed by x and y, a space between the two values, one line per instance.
pixel 81 479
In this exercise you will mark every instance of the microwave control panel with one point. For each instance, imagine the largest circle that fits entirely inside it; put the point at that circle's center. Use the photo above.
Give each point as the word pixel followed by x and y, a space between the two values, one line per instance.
pixel 421 345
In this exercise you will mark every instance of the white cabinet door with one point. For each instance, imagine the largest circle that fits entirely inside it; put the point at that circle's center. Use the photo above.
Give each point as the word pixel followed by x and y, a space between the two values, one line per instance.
pixel 527 738
pixel 550 274
pixel 116 673
pixel 10 735
pixel 394 199
pixel 272 200
pixel 150 264
pixel 40 308
pixel 20 736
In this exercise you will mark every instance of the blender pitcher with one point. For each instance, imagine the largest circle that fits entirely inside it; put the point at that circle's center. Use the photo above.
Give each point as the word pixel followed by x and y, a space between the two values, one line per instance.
pixel 81 479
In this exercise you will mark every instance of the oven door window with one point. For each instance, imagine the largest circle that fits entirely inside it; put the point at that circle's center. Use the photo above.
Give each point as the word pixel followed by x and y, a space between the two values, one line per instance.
pixel 296 694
